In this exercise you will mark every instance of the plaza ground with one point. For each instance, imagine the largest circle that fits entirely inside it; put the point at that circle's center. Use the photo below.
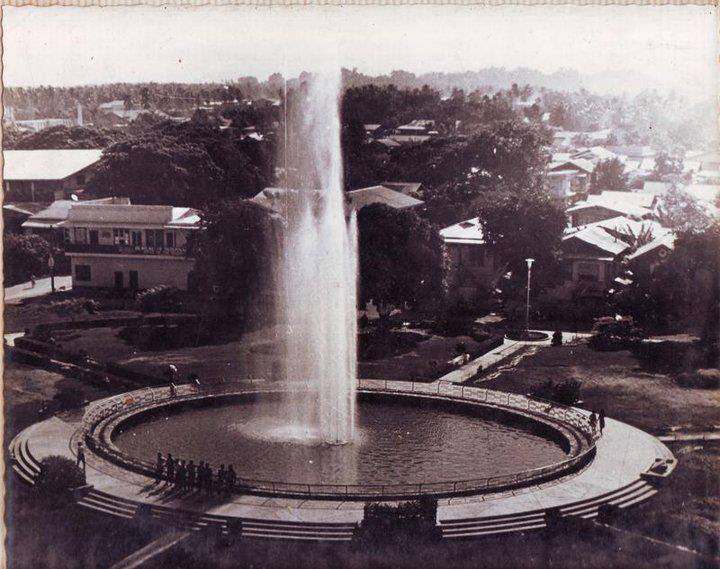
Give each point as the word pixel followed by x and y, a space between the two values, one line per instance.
pixel 685 512
pixel 618 382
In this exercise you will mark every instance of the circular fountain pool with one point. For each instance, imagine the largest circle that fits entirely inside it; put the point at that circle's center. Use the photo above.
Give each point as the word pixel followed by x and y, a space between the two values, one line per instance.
pixel 399 441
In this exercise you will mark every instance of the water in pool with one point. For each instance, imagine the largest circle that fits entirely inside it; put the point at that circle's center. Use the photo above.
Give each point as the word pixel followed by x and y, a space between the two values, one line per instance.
pixel 397 443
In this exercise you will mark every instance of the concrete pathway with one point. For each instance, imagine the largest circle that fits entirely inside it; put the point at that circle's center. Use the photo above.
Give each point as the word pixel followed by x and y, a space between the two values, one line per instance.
pixel 503 352
pixel 691 437
pixel 17 293
pixel 623 453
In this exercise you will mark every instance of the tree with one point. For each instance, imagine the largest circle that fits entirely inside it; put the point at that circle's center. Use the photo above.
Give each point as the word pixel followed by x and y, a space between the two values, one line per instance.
pixel 666 165
pixel 157 169
pixel 518 225
pixel 24 256
pixel 235 250
pixel 681 291
pixel 609 176
pixel 401 258
pixel 680 211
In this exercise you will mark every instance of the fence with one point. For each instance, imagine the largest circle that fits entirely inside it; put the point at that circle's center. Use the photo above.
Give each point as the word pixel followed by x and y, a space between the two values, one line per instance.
pixel 120 407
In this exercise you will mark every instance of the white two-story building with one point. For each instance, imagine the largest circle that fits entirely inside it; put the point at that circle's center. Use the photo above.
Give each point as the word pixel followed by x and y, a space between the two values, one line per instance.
pixel 129 246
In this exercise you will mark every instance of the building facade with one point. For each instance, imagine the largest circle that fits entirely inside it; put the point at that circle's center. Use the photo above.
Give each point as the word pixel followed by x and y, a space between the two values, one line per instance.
pixel 129 247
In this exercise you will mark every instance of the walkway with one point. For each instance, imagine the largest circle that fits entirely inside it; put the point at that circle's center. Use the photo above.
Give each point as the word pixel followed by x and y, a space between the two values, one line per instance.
pixel 502 353
pixel 624 454
pixel 17 293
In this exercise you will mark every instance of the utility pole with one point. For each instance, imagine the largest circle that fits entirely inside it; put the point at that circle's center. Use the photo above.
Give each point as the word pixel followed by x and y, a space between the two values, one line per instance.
pixel 527 302
pixel 51 265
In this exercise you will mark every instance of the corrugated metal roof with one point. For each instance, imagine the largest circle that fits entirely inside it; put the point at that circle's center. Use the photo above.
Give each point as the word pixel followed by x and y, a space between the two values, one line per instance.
pixel 46 164
pixel 468 232
pixel 381 194
pixel 598 237
pixel 664 241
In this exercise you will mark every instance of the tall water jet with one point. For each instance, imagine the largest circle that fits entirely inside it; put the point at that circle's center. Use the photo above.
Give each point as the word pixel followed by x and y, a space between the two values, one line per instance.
pixel 319 267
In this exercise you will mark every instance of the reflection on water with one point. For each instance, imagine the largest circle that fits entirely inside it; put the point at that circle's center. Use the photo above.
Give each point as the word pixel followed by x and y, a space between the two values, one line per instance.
pixel 396 444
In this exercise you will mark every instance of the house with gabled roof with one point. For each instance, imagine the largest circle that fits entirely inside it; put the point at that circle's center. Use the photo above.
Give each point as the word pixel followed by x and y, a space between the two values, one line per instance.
pixel 46 175
pixel 473 269
pixel 606 205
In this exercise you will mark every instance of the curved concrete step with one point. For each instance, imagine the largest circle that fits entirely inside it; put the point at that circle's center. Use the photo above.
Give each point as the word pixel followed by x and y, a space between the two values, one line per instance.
pixel 108 504
pixel 626 497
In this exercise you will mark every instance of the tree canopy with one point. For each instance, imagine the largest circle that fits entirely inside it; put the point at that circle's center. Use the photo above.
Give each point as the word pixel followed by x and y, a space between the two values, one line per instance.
pixel 234 250
pixel 24 256
pixel 518 225
pixel 401 258
pixel 609 176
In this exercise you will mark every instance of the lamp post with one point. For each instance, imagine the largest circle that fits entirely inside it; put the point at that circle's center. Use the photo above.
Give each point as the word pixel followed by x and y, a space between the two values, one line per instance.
pixel 527 301
pixel 51 265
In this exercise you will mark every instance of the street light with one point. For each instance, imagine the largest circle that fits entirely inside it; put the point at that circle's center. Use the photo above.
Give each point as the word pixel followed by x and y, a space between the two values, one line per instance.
pixel 51 265
pixel 527 302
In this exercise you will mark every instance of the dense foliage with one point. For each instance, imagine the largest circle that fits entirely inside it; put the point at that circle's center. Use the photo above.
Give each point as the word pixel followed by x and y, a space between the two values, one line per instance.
pixel 24 257
pixel 235 252
pixel 401 258
pixel 520 225
pixel 609 176
pixel 58 475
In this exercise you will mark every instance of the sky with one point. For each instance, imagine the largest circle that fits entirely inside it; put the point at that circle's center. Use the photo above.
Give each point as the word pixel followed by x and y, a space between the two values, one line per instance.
pixel 673 45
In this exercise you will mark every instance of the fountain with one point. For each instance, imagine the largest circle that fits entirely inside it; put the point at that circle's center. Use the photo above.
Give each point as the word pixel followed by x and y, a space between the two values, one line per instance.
pixel 318 271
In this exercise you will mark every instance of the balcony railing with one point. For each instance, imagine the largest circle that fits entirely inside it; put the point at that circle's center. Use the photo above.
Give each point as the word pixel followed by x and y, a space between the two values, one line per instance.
pixel 123 249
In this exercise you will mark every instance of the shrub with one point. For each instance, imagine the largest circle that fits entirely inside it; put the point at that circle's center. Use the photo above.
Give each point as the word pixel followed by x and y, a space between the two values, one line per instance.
pixel 58 475
pixel 24 256
pixel 613 333
pixel 161 299
pixel 700 379
pixel 405 524
pixel 566 392
pixel 69 398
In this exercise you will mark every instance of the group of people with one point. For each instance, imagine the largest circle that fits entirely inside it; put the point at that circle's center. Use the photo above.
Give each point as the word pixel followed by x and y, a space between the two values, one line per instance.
pixel 597 421
pixel 187 475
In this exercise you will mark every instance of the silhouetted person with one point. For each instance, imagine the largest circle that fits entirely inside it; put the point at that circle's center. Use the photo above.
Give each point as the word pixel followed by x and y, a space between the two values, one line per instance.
pixel 221 476
pixel 191 473
pixel 230 478
pixel 602 420
pixel 200 476
pixel 208 477
pixel 170 468
pixel 181 476
pixel 80 455
pixel 159 466
pixel 594 421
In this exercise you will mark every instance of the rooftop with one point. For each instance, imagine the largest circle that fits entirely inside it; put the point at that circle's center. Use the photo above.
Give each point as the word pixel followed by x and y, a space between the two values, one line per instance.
pixel 381 194
pixel 598 237
pixel 667 241
pixel 47 164
pixel 468 232
pixel 126 214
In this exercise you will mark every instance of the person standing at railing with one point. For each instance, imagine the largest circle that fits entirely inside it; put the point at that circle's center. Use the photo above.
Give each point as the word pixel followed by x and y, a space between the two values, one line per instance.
pixel 80 455
pixel 200 477
pixel 221 474
pixel 191 473
pixel 159 467
pixel 593 422
pixel 230 478
pixel 602 420
pixel 170 468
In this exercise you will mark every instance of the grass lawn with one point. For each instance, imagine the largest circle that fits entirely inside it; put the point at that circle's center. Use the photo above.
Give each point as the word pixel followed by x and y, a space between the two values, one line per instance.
pixel 252 356
pixel 416 364
pixel 618 383
pixel 44 309
pixel 27 388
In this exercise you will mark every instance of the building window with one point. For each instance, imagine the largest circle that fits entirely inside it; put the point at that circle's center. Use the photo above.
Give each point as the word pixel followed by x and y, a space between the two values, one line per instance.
pixel 170 239
pixel 121 236
pixel 136 238
pixel 82 273
pixel 80 235
pixel 66 235
pixel 154 238
pixel 588 272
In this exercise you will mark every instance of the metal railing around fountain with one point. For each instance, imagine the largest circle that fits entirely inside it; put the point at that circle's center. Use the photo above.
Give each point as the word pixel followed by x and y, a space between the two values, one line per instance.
pixel 125 405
